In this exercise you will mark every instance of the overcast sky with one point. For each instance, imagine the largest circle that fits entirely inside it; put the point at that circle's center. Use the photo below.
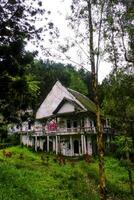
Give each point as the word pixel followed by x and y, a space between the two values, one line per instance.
pixel 59 10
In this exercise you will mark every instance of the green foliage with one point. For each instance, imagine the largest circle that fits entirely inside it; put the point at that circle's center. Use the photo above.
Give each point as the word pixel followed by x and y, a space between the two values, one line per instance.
pixel 5 145
pixel 29 179
pixel 119 103
pixel 24 176
pixel 16 25
pixel 121 147
pixel 118 98
pixel 3 132
pixel 76 83
pixel 117 176
pixel 13 139
pixel 87 78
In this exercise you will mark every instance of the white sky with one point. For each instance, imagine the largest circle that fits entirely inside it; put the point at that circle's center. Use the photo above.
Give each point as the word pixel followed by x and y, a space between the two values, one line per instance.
pixel 59 10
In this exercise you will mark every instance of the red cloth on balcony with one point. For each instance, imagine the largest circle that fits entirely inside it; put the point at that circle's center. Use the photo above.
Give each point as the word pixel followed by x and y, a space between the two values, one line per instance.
pixel 52 126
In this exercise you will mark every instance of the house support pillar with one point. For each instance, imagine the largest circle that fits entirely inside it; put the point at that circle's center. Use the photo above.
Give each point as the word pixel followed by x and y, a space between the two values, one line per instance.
pixel 56 144
pixel 59 145
pixel 71 146
pixel 27 139
pixel 47 143
pixel 21 139
pixel 35 143
pixel 54 149
pixel 89 145
pixel 82 145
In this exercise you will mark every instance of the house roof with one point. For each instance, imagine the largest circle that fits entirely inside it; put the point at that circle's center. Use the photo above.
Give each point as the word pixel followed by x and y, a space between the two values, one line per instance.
pixel 85 101
pixel 56 97
pixel 53 99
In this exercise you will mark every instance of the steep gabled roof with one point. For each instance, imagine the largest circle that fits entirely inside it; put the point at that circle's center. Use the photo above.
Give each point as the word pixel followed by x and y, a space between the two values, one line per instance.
pixel 54 98
pixel 85 101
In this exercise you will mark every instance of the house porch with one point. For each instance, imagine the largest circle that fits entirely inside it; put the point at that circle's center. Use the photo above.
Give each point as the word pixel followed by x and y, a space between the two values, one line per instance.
pixel 67 145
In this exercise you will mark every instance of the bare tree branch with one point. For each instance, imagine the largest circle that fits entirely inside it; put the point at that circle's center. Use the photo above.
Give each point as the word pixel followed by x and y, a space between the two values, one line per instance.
pixel 99 38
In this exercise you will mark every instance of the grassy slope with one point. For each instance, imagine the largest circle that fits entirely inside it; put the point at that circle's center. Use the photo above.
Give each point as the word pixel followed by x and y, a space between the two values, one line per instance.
pixel 31 179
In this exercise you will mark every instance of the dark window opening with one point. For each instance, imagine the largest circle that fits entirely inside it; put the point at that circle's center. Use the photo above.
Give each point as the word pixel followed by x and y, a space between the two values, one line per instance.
pixel 91 124
pixel 68 123
pixel 69 145
pixel 76 147
pixel 82 123
pixel 29 125
pixel 17 126
pixel 75 124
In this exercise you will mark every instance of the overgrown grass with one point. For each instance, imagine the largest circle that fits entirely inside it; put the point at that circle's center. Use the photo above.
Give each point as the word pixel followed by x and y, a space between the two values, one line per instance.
pixel 25 176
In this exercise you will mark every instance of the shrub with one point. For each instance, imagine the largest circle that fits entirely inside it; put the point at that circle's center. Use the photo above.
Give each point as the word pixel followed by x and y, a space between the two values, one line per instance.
pixel 87 158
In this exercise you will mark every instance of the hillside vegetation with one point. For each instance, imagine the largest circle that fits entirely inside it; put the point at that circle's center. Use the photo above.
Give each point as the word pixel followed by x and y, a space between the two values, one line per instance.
pixel 37 176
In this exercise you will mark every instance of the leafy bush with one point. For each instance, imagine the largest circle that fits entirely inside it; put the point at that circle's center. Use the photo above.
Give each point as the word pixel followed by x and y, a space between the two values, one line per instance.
pixel 13 139
pixel 3 132
pixel 5 145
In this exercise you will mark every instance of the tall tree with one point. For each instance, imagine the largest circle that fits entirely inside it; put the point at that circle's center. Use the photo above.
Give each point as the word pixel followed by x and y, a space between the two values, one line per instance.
pixel 119 33
pixel 109 33
pixel 17 24
pixel 84 23
pixel 94 71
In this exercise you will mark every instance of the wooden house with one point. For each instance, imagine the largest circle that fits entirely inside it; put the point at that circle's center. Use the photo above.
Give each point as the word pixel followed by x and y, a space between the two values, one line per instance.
pixel 65 123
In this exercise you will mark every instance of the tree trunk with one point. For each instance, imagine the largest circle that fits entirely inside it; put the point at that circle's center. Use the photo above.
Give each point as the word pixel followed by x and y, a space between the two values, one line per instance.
pixel 98 119
pixel 100 145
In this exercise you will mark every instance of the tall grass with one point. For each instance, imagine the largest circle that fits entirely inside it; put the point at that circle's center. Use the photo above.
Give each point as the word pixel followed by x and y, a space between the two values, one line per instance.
pixel 25 176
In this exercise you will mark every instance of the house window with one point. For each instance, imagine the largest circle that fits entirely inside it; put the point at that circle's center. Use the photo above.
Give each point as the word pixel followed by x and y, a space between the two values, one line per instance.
pixel 69 146
pixel 75 124
pixel 91 124
pixel 68 123
pixel 17 126
pixel 82 123
pixel 72 125
pixel 29 125
pixel 61 123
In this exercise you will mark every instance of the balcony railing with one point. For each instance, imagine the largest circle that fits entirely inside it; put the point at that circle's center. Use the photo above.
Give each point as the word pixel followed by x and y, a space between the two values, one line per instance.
pixel 88 130
pixel 71 130
pixel 65 131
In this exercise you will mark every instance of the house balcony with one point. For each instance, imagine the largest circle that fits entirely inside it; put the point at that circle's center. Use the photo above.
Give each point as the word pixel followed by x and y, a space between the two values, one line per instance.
pixel 71 131
pixel 67 131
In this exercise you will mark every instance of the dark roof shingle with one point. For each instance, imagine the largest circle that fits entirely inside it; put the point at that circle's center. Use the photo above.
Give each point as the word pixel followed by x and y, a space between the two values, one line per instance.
pixel 85 101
